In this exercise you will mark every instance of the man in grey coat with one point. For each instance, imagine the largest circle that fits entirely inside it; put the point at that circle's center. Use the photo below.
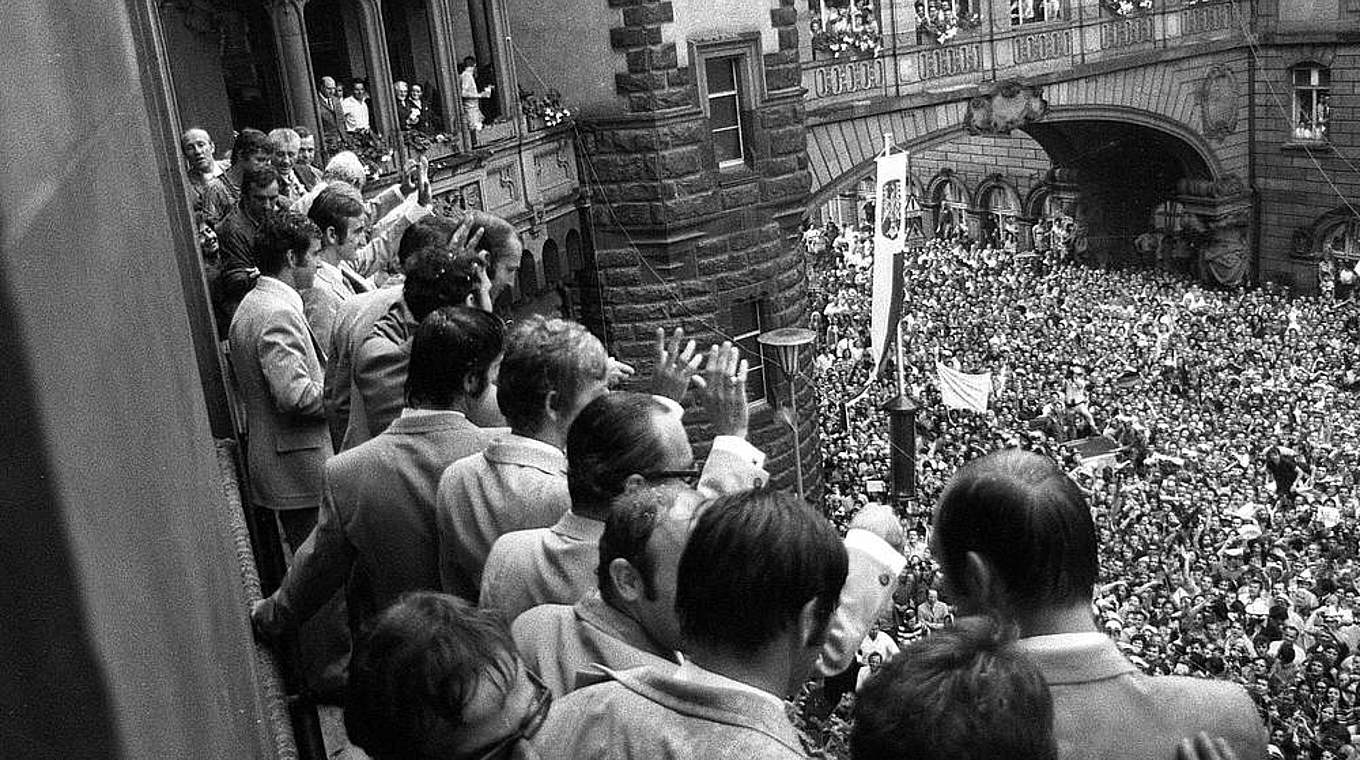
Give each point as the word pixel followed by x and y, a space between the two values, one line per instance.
pixel 1015 539
pixel 278 370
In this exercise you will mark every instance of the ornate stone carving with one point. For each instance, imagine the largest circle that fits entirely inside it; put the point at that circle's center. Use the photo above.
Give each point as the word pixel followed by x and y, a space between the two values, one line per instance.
pixel 1218 97
pixel 1010 106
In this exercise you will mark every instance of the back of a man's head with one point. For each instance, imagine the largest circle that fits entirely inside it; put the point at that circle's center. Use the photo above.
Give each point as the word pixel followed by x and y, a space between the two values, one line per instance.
pixel 547 356
pixel 754 560
pixel 345 166
pixel 451 354
pixel 433 231
pixel 415 670
pixel 1021 514
pixel 435 277
pixel 282 237
pixel 614 436
pixel 962 694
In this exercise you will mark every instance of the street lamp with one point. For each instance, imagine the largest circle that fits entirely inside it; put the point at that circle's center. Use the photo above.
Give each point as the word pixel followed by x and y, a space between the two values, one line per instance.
pixel 787 341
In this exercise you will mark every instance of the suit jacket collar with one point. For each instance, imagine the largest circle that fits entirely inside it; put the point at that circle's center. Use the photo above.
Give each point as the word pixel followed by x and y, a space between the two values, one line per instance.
pixel 580 528
pixel 593 611
pixel 1070 658
pixel 278 290
pixel 431 422
pixel 516 449
pixel 731 707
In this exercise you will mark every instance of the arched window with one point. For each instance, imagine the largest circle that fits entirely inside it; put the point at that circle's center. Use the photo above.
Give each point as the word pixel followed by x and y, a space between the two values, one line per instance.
pixel 1312 93
pixel 1002 207
pixel 1168 217
pixel 951 202
pixel 843 28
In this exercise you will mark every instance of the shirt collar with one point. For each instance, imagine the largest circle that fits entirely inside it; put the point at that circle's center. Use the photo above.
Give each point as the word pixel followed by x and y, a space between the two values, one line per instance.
pixel 534 443
pixel 409 412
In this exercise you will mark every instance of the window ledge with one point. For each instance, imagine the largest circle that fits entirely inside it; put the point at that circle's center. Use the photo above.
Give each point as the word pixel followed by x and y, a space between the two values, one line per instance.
pixel 1308 146
pixel 736 175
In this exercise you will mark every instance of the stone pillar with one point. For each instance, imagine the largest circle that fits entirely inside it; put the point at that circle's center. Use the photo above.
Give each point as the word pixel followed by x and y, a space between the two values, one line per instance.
pixel 379 71
pixel 446 71
pixel 295 63
pixel 677 242
pixel 1221 210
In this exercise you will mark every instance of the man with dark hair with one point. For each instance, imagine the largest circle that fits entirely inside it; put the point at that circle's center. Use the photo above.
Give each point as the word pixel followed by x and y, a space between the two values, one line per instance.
pixel 756 586
pixel 435 277
pixel 963 694
pixel 276 366
pixel 617 444
pixel 1015 539
pixel 340 215
pixel 236 234
pixel 306 147
pixel 436 678
pixel 376 532
pixel 250 151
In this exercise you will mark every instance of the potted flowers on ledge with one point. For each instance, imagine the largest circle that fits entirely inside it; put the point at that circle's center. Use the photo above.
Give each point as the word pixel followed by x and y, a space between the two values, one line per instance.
pixel 1127 8
pixel 850 30
pixel 543 111
pixel 943 21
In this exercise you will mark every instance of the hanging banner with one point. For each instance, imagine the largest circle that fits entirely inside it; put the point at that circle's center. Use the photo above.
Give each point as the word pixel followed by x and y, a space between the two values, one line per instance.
pixel 960 390
pixel 889 237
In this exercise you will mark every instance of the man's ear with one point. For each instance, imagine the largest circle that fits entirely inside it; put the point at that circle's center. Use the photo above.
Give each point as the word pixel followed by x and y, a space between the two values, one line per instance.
pixel 474 384
pixel 811 631
pixel 550 405
pixel 627 580
pixel 634 482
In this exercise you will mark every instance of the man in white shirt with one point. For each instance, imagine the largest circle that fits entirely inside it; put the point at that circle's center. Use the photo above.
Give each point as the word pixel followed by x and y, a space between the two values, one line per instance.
pixel 355 107
pixel 472 97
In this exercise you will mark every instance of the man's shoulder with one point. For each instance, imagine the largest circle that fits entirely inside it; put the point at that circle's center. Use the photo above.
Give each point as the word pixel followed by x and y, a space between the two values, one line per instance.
pixel 510 548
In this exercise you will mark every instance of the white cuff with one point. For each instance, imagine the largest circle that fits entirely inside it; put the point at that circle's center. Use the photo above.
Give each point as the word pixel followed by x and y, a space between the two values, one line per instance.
pixel 740 447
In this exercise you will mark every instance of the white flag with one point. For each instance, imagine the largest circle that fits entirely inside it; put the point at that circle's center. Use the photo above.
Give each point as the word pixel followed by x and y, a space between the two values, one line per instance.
pixel 960 390
pixel 889 237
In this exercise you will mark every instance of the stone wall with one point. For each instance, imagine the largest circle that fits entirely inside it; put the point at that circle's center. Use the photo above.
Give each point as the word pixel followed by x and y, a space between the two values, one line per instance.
pixel 678 241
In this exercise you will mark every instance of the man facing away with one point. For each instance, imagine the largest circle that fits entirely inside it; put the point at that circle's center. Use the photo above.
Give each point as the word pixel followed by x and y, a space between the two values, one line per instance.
pixel 376 532
pixel 755 589
pixel 1015 539
pixel 278 368
pixel 629 621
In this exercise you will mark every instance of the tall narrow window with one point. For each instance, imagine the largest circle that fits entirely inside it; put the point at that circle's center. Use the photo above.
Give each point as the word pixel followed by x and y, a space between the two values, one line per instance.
pixel 1034 11
pixel 1312 91
pixel 747 324
pixel 723 77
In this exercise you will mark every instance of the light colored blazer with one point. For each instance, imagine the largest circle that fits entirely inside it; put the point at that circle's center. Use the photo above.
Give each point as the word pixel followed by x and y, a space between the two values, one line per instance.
pixel 1104 707
pixel 277 366
pixel 651 713
pixel 561 642
pixel 556 565
pixel 376 532
pixel 515 484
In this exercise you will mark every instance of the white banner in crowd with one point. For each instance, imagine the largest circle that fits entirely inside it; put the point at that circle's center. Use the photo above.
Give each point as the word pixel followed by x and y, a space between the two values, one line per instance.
pixel 889 236
pixel 961 390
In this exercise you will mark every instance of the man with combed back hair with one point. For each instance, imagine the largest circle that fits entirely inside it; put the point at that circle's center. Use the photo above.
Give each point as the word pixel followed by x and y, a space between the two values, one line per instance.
pixel 1015 539
pixel 755 589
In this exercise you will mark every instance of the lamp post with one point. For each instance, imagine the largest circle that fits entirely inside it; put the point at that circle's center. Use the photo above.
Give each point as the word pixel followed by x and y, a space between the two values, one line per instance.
pixel 787 341
pixel 902 430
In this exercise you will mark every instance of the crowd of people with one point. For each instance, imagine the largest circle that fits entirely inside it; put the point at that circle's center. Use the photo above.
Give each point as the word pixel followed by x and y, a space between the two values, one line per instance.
pixel 1230 518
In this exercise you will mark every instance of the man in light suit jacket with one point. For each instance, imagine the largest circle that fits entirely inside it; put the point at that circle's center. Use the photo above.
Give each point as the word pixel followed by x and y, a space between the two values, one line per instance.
pixel 1015 539
pixel 376 532
pixel 755 588
pixel 619 443
pixel 277 365
pixel 551 369
pixel 629 620
pixel 339 213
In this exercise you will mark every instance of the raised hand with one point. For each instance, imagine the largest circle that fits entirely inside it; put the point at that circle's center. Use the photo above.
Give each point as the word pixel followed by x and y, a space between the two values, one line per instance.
pixel 722 390
pixel 675 366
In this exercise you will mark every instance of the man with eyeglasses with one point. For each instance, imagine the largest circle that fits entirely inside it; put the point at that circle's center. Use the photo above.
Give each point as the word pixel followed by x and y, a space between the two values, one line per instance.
pixel 617 444
pixel 435 678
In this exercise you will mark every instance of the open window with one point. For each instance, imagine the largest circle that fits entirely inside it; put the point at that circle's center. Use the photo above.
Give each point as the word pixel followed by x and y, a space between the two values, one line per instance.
pixel 730 85
pixel 1312 106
